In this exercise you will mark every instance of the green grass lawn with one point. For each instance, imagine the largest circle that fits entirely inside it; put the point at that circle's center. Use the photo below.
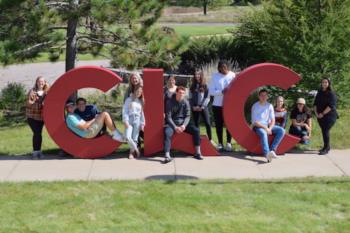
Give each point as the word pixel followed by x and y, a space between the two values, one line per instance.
pixel 227 14
pixel 307 205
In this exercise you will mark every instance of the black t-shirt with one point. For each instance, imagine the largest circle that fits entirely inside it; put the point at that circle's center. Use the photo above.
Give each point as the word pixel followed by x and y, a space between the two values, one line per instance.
pixel 300 117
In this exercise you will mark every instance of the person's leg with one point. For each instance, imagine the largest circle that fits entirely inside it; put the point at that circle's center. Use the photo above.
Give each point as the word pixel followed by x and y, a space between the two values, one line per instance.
pixel 129 139
pixel 263 140
pixel 135 136
pixel 326 125
pixel 296 131
pixel 106 119
pixel 168 134
pixel 194 131
pixel 278 133
pixel 228 136
pixel 196 118
pixel 140 138
pixel 36 127
pixel 217 113
pixel 206 118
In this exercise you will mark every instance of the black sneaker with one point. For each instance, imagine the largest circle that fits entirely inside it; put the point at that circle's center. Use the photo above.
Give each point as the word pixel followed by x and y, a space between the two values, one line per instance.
pixel 198 156
pixel 167 160
pixel 323 152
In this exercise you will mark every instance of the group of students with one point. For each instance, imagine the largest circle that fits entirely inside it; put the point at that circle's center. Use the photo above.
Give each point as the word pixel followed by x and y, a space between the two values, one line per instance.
pixel 179 104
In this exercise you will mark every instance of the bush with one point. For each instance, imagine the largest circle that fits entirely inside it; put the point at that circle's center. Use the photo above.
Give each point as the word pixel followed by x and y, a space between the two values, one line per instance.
pixel 13 97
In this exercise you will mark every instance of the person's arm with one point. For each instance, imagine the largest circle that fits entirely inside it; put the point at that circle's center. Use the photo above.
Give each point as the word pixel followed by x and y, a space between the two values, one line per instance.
pixel 308 126
pixel 85 124
pixel 168 116
pixel 213 91
pixel 188 115
pixel 272 117
pixel 125 112
pixel 32 97
pixel 332 104
pixel 255 121
pixel 285 119
pixel 206 99
pixel 142 121
pixel 191 99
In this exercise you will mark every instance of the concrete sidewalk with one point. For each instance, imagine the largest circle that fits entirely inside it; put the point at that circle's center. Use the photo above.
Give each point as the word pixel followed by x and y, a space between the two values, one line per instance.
pixel 231 166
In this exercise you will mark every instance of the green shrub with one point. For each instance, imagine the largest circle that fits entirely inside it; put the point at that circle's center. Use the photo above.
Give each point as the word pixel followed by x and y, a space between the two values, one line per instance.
pixel 13 97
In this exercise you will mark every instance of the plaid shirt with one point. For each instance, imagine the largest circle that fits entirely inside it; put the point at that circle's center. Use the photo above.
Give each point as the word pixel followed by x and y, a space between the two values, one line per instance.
pixel 34 111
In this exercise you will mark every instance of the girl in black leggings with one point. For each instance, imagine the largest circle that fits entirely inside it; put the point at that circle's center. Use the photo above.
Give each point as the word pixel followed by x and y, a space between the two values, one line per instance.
pixel 199 101
pixel 325 108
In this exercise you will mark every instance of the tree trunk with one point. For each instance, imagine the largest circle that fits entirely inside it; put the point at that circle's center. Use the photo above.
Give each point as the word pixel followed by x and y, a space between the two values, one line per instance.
pixel 71 43
pixel 205 4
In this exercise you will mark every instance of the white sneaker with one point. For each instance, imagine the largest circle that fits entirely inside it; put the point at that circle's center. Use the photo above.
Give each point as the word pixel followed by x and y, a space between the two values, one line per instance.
pixel 228 147
pixel 269 157
pixel 118 136
pixel 219 147
pixel 213 143
pixel 274 156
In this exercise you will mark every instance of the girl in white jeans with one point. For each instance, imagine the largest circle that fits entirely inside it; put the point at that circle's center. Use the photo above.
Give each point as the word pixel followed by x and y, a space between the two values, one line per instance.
pixel 134 119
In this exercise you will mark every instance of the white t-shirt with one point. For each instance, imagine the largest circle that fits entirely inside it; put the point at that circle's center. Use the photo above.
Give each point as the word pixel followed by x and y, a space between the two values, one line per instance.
pixel 263 114
pixel 218 83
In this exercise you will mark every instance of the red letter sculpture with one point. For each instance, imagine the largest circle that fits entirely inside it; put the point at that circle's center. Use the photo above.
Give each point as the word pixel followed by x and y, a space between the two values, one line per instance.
pixel 82 77
pixel 154 111
pixel 235 97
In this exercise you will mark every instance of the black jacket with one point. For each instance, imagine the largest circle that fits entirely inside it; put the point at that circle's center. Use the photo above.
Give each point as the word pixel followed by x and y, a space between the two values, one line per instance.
pixel 177 113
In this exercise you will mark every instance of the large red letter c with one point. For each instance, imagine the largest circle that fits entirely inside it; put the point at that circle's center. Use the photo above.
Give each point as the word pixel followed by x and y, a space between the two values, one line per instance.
pixel 238 92
pixel 82 77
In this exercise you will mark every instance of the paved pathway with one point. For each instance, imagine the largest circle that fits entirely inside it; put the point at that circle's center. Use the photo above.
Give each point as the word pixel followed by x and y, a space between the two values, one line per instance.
pixel 27 73
pixel 237 166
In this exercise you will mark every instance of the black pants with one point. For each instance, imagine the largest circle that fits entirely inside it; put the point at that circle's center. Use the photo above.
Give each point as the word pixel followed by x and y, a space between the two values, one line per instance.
pixel 205 116
pixel 37 128
pixel 169 132
pixel 298 131
pixel 219 124
pixel 326 123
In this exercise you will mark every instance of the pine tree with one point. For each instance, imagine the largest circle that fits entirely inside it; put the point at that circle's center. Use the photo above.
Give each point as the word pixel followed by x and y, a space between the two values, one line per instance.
pixel 309 36
pixel 122 30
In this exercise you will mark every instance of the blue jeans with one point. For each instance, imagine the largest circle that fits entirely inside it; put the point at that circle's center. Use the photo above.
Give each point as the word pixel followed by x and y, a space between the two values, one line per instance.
pixel 278 133
pixel 132 134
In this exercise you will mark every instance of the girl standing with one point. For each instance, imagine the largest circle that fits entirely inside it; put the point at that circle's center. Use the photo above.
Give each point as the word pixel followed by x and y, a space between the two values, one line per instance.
pixel 134 119
pixel 325 107
pixel 34 108
pixel 199 100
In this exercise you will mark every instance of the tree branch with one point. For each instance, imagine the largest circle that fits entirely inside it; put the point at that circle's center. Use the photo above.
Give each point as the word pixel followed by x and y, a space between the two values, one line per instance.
pixel 33 48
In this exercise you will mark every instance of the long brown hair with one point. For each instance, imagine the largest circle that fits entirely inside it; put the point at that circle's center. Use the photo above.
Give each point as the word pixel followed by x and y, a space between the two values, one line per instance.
pixel 141 98
pixel 46 86
pixel 202 82
pixel 168 81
